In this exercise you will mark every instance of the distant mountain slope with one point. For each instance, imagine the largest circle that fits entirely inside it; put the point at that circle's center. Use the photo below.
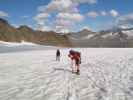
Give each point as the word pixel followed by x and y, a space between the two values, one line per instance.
pixel 109 38
pixel 116 37
pixel 12 34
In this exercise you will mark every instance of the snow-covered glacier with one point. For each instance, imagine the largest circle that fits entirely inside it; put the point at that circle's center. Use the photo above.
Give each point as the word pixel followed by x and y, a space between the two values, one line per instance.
pixel 106 74
pixel 6 47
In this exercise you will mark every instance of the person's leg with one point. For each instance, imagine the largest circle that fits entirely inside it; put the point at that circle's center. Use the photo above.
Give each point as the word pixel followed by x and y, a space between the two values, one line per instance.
pixel 72 65
pixel 78 70
pixel 56 58
pixel 77 67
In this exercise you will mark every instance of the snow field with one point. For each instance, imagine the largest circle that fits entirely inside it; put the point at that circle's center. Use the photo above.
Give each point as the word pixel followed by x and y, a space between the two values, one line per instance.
pixel 106 74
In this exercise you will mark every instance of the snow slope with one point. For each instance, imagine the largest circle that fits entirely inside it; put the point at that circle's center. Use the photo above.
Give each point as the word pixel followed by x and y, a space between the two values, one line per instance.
pixel 106 74
pixel 6 47
pixel 13 44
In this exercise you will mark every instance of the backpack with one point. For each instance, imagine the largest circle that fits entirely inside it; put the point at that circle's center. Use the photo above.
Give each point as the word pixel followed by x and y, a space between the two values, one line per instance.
pixel 79 54
pixel 72 52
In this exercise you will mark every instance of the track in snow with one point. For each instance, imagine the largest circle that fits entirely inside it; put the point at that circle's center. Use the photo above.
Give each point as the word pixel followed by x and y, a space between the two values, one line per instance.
pixel 106 74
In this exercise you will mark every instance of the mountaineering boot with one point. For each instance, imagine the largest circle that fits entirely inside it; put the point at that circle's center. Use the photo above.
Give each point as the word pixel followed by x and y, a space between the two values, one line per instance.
pixel 78 72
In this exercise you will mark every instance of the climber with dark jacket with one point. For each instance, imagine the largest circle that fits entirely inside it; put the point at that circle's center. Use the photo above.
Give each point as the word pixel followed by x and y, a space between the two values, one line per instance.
pixel 58 54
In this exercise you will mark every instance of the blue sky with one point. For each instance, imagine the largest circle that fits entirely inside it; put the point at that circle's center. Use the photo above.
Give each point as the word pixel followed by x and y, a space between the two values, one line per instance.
pixel 67 15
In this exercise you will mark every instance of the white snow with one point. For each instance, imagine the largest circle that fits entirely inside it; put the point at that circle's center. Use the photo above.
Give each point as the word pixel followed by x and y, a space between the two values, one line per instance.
pixel 106 74
pixel 128 33
pixel 12 44
pixel 88 36
pixel 73 38
pixel 107 35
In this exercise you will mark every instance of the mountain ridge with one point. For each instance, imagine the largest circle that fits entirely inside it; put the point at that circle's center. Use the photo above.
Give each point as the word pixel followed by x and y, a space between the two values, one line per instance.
pixel 11 34
pixel 116 37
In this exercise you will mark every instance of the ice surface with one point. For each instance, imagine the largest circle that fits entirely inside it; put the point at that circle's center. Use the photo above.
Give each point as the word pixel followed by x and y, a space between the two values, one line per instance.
pixel 6 47
pixel 12 44
pixel 106 74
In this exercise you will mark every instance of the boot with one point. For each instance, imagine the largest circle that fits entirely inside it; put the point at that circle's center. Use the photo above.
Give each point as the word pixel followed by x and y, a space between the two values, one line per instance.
pixel 78 72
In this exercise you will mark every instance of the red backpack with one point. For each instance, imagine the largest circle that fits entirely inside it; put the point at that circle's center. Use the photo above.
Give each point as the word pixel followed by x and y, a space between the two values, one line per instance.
pixel 72 52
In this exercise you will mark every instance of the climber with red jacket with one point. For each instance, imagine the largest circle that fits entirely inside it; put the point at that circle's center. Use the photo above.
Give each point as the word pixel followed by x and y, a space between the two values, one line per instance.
pixel 76 60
